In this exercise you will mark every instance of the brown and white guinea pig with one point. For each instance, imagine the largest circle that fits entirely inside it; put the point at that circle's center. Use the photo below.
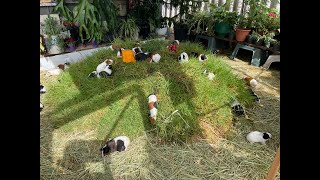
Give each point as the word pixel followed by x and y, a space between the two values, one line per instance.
pixel 113 47
pixel 258 137
pixel 119 53
pixel 120 143
pixel 64 66
pixel 153 107
pixel 155 57
pixel 251 81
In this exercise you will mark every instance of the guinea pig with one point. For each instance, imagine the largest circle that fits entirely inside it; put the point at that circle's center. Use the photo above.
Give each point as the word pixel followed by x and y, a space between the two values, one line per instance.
pixel 106 72
pixel 251 81
pixel 42 89
pixel 153 107
pixel 237 108
pixel 156 58
pixel 202 57
pixel 41 106
pixel 258 137
pixel 183 57
pixel 137 50
pixel 141 56
pixel 119 53
pixel 211 76
pixel 102 66
pixel 120 143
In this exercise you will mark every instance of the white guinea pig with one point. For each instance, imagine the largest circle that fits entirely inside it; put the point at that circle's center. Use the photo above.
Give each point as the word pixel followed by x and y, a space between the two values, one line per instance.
pixel 156 58
pixel 258 137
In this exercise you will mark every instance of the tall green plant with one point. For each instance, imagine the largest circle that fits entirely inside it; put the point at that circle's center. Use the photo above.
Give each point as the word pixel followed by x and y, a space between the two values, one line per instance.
pixel 128 28
pixel 89 19
pixel 61 8
pixel 108 11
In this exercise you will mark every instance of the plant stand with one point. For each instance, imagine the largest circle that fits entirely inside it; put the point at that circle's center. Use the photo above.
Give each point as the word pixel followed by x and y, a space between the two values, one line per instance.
pixel 258 56
pixel 213 43
pixel 271 59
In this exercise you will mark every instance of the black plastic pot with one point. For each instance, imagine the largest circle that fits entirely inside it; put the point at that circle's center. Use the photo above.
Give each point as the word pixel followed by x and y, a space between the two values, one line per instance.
pixel 250 39
pixel 260 42
pixel 180 32
pixel 108 37
pixel 144 30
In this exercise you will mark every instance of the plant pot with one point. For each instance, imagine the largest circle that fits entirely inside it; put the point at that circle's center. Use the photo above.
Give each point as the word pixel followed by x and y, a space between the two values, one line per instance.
pixel 144 30
pixel 180 33
pixel 241 34
pixel 161 31
pixel 55 49
pixel 222 29
pixel 72 48
pixel 94 44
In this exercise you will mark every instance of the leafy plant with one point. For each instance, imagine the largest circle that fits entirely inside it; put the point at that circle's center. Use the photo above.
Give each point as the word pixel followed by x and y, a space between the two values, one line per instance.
pixel 51 26
pixel 61 8
pixel 90 22
pixel 268 38
pixel 199 22
pixel 128 28
pixel 50 42
pixel 108 10
pixel 243 22
pixel 221 14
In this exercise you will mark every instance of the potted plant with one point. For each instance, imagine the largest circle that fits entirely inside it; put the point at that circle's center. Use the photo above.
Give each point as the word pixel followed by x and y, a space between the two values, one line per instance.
pixel 243 28
pixel 147 14
pixel 71 44
pixel 163 29
pixel 275 45
pixel 198 23
pixel 257 39
pixel 179 21
pixel 129 29
pixel 268 38
pixel 52 29
pixel 224 19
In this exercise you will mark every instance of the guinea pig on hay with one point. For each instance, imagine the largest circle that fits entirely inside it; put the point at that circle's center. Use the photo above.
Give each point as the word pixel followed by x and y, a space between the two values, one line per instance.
pixel 251 81
pixel 120 143
pixel 258 137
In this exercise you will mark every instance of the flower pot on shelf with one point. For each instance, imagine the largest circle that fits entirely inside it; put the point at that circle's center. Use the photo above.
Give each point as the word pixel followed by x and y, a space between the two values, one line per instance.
pixel 72 48
pixel 241 34
pixel 260 42
pixel 55 49
pixel 222 29
pixel 161 31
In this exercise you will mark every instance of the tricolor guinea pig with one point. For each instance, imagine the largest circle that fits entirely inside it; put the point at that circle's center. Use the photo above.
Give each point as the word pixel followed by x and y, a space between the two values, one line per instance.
pixel 104 69
pixel 119 53
pixel 137 50
pixel 120 143
pixel 153 107
pixel 251 81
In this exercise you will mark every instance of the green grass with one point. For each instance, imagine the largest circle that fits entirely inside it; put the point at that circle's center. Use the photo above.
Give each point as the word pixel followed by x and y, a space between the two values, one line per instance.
pixel 118 105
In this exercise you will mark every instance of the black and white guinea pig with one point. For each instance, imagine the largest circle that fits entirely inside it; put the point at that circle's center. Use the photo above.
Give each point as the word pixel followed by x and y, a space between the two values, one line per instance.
pixel 258 137
pixel 142 56
pixel 137 50
pixel 237 108
pixel 183 57
pixel 119 143
pixel 42 89
pixel 103 69
pixel 41 106
pixel 202 57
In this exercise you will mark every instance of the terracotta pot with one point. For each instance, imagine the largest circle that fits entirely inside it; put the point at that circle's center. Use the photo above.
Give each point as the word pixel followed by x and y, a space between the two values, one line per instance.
pixel 241 34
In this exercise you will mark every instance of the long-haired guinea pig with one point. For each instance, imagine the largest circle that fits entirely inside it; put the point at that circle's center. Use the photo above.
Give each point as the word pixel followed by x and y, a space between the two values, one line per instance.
pixel 119 143
pixel 258 137
pixel 153 107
